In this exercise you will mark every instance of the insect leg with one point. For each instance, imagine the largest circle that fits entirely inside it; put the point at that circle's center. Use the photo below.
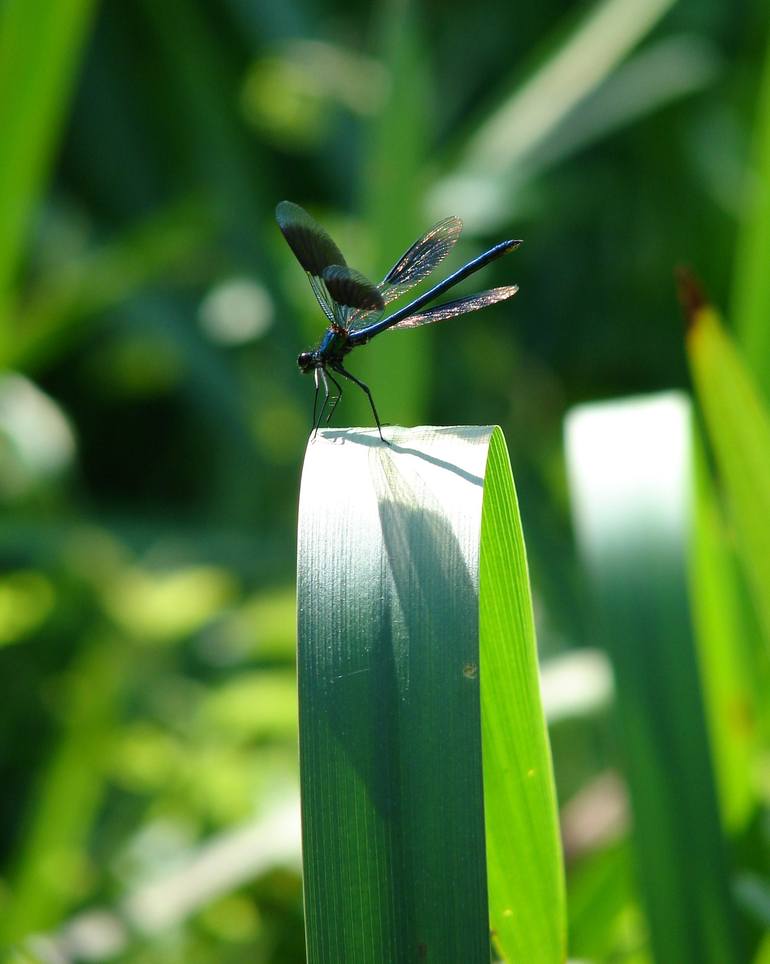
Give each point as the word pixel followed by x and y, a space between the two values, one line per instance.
pixel 321 373
pixel 335 398
pixel 344 372
pixel 315 400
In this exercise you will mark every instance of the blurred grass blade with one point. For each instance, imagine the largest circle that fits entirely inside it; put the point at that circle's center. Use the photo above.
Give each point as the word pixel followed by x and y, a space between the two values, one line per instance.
pixel 730 680
pixel 630 476
pixel 751 274
pixel 593 49
pixel 40 42
pixel 390 712
pixel 738 426
pixel 574 66
pixel 656 76
pixel 50 871
pixel 601 894
pixel 209 137
pixel 59 307
pixel 763 952
pixel 394 164
pixel 224 862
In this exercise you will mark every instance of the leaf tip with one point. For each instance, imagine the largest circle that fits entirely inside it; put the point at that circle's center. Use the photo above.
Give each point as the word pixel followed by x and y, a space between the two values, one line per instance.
pixel 692 297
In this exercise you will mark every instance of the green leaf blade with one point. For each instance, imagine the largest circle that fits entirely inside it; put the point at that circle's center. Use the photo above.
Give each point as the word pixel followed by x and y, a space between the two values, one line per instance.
pixel 40 43
pixel 630 477
pixel 727 660
pixel 751 284
pixel 526 886
pixel 391 713
pixel 738 425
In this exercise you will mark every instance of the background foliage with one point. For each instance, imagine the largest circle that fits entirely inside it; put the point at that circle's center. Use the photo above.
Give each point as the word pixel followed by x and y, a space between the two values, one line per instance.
pixel 152 421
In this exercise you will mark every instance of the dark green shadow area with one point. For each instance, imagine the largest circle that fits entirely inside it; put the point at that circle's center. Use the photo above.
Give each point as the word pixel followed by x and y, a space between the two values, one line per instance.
pixel 390 702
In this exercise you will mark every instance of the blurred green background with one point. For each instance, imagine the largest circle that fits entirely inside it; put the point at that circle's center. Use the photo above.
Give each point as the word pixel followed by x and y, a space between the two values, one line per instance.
pixel 152 420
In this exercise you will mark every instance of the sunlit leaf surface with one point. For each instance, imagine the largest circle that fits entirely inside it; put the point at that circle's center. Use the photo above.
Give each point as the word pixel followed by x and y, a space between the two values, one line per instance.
pixel 738 426
pixel 400 549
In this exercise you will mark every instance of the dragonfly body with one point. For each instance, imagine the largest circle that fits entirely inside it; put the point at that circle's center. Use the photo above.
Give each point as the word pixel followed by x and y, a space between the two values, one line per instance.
pixel 355 307
pixel 335 344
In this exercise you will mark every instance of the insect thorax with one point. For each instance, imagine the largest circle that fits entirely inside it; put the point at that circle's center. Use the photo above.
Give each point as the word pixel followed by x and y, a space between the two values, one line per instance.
pixel 335 343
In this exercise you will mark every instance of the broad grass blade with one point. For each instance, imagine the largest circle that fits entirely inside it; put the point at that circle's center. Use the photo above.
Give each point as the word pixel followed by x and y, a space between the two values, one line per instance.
pixel 414 620
pixel 751 277
pixel 40 45
pixel 738 426
pixel 631 483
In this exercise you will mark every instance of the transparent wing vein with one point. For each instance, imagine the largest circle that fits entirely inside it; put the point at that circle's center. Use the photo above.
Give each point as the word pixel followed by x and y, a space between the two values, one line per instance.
pixel 414 265
pixel 459 307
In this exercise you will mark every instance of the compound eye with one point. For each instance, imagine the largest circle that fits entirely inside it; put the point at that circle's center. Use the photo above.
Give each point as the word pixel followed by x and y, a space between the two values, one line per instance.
pixel 304 360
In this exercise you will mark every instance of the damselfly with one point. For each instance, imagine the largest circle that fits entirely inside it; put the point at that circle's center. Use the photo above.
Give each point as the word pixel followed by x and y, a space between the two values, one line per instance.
pixel 355 307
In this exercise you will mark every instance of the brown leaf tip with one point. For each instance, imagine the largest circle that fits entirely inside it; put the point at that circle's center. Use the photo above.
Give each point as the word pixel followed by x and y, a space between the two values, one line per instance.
pixel 691 295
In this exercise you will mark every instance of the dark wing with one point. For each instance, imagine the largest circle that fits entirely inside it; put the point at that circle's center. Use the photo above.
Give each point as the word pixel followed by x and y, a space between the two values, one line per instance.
pixel 351 289
pixel 454 308
pixel 312 247
pixel 414 265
